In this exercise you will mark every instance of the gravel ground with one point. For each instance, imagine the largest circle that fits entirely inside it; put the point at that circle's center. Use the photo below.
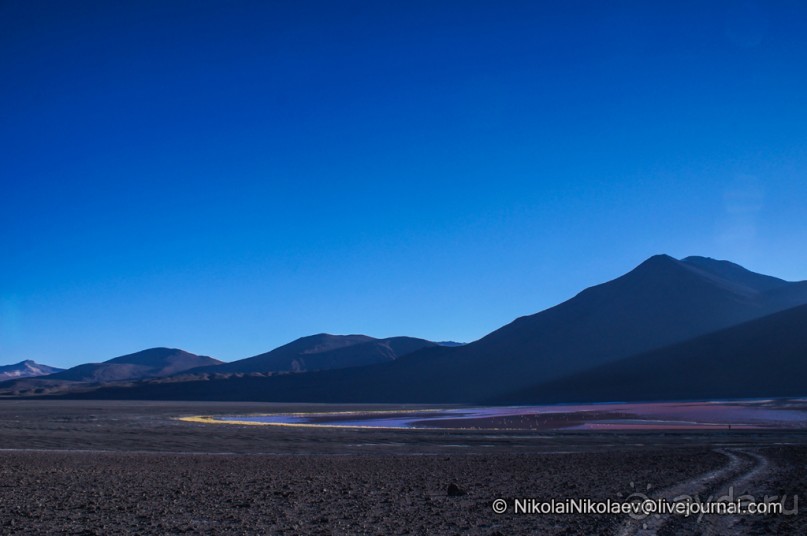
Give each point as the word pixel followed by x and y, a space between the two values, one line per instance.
pixel 131 493
pixel 131 468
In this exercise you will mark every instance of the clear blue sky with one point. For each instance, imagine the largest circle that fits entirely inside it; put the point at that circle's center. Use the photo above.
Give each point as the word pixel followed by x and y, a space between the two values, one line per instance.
pixel 225 177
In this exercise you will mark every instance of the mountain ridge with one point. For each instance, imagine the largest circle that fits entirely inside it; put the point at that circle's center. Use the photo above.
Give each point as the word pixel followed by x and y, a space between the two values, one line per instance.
pixel 661 302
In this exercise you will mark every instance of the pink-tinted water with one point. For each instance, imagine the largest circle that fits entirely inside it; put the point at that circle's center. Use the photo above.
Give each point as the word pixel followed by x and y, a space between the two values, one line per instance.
pixel 704 415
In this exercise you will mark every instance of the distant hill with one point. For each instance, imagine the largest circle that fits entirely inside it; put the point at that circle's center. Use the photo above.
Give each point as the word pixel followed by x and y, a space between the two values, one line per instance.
pixel 26 369
pixel 323 352
pixel 151 363
pixel 661 302
pixel 763 357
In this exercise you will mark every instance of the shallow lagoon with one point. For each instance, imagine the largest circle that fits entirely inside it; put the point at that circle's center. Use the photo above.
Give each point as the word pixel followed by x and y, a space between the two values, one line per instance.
pixel 756 414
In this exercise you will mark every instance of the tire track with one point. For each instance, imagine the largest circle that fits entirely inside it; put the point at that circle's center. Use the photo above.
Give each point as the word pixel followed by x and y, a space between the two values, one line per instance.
pixel 742 468
pixel 739 486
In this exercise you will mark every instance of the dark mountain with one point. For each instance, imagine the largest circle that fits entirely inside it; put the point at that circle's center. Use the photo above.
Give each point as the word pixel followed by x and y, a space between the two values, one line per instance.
pixel 26 369
pixel 760 358
pixel 151 363
pixel 323 352
pixel 661 302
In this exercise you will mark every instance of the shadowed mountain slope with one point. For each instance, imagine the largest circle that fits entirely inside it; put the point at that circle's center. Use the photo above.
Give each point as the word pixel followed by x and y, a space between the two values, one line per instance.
pixel 763 357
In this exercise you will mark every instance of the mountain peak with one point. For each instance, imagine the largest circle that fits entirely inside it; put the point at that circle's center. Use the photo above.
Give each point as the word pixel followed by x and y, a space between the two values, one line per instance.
pixel 661 265
pixel 149 355
pixel 25 369
pixel 658 261
pixel 323 342
pixel 719 272
pixel 661 257
pixel 332 337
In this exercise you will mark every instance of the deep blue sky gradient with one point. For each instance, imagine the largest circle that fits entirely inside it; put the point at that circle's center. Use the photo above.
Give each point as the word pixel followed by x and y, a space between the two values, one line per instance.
pixel 228 176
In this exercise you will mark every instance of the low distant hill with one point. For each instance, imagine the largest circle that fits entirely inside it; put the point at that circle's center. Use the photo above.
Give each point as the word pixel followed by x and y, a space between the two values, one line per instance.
pixel 323 352
pixel 26 369
pixel 151 363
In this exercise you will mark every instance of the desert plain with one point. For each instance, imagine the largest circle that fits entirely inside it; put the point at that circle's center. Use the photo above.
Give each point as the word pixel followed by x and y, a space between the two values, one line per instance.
pixel 99 467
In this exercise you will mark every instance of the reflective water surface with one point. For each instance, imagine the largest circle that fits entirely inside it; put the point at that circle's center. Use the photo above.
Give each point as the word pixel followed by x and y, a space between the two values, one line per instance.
pixel 703 415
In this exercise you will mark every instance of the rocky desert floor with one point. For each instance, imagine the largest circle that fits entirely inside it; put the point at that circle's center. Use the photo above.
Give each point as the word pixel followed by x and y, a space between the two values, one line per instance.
pixel 71 467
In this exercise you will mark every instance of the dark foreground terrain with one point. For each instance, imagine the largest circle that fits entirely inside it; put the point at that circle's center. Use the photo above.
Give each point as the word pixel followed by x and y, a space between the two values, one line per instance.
pixel 131 468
